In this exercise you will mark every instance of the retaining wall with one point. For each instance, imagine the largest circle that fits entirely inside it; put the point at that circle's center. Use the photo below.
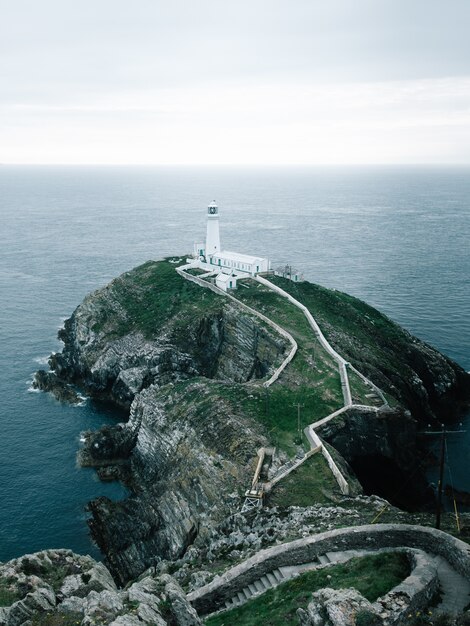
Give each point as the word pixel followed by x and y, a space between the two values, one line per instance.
pixel 212 596
pixel 412 594
pixel 340 479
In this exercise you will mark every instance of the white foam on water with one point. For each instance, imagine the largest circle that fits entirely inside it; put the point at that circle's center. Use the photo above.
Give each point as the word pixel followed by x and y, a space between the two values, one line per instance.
pixel 83 400
pixel 42 360
pixel 32 389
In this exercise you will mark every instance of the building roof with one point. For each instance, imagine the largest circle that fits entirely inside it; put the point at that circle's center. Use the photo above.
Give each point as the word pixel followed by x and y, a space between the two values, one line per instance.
pixel 225 277
pixel 236 256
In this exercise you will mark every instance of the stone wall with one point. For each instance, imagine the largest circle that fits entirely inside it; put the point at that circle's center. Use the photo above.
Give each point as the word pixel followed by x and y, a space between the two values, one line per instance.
pixel 412 594
pixel 371 537
pixel 340 479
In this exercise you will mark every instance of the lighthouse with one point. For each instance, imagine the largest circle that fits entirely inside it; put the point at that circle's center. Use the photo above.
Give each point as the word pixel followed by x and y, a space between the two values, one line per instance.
pixel 222 266
pixel 212 236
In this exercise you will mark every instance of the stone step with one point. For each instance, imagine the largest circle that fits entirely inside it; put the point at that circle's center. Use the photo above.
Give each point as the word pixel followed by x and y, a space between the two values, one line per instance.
pixel 247 593
pixel 234 602
pixel 324 560
pixel 278 575
pixel 253 589
pixel 265 582
pixel 455 589
pixel 336 557
pixel 241 597
pixel 272 579
pixel 258 586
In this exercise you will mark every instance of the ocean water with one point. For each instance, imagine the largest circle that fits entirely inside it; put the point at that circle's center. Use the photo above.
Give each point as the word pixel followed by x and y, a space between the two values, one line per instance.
pixel 397 237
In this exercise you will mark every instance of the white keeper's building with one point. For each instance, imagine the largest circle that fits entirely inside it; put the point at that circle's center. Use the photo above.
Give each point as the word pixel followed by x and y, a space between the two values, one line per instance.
pixel 228 265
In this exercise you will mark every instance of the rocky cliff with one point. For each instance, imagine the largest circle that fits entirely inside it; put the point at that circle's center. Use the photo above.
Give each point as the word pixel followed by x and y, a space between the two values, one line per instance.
pixel 188 363
pixel 57 587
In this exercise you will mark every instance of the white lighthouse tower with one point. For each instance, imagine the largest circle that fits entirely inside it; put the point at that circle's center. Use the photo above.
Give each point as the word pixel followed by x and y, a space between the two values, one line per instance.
pixel 212 236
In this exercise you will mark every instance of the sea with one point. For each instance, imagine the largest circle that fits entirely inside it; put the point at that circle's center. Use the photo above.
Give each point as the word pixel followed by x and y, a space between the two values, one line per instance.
pixel 397 237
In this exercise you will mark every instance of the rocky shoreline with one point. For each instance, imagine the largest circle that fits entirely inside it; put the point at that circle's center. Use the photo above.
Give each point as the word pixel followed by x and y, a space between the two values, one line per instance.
pixel 185 364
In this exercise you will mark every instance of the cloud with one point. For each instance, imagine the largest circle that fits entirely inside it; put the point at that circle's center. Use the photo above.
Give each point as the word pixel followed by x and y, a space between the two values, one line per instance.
pixel 395 121
pixel 250 81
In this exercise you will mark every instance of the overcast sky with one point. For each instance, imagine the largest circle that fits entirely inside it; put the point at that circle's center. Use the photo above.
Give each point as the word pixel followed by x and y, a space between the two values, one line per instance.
pixel 235 81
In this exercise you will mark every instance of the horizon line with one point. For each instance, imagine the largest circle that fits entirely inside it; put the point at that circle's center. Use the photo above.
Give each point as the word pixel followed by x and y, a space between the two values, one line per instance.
pixel 237 164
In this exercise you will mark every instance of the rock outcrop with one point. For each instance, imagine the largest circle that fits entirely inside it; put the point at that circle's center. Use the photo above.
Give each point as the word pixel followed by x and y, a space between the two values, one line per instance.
pixel 338 607
pixel 59 587
pixel 114 347
pixel 187 364
pixel 381 450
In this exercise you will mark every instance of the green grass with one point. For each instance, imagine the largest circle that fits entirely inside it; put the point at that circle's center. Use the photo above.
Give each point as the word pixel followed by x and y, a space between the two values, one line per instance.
pixel 311 483
pixel 361 334
pixel 8 594
pixel 152 296
pixel 312 367
pixel 373 576
pixel 359 389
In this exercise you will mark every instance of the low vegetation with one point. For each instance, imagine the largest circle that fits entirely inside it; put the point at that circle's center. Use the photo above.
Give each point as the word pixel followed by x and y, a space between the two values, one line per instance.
pixel 373 576
pixel 311 483
pixel 8 592
pixel 153 297
pixel 363 335
pixel 150 297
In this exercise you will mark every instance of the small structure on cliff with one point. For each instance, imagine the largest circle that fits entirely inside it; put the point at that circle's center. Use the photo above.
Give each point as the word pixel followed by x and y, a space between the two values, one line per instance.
pixel 225 264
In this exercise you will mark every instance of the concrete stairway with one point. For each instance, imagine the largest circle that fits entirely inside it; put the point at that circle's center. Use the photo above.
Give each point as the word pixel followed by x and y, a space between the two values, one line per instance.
pixel 455 589
pixel 374 399
pixel 281 574
pixel 268 581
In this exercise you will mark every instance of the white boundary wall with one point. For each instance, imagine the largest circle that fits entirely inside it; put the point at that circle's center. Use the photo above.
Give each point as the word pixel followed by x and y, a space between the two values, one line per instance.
pixel 281 331
pixel 314 440
pixel 342 363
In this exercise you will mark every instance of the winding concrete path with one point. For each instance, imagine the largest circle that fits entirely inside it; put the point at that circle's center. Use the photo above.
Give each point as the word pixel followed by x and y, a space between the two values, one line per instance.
pixel 454 588
pixel 316 445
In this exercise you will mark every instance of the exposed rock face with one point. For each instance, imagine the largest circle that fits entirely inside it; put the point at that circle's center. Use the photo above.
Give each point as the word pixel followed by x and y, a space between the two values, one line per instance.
pixel 57 582
pixel 337 607
pixel 184 464
pixel 113 356
pixel 180 453
pixel 185 361
pixel 381 449
pixel 48 381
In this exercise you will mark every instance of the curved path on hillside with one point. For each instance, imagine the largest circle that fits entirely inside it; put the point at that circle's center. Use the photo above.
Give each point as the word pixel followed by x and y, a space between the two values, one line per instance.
pixel 316 445
pixel 282 331
pixel 439 561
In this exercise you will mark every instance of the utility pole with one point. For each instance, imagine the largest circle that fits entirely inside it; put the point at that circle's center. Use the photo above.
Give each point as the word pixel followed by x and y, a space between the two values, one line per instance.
pixel 299 406
pixel 441 479
pixel 443 433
